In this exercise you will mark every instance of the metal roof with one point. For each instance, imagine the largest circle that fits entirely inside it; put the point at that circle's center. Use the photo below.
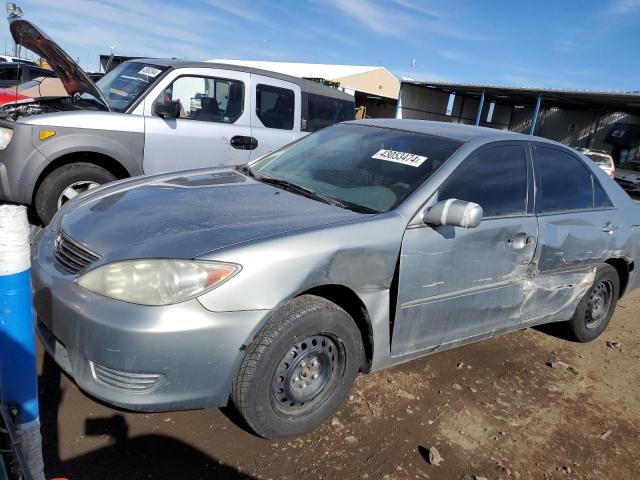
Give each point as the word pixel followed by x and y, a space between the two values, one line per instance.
pixel 628 102
pixel 305 85
pixel 305 70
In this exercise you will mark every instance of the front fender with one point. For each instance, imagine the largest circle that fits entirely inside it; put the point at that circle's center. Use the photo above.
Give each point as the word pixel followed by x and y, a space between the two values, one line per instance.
pixel 119 136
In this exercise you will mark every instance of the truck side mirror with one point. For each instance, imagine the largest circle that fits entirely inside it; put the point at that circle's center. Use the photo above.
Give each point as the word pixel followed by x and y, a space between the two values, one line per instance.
pixel 167 109
pixel 457 213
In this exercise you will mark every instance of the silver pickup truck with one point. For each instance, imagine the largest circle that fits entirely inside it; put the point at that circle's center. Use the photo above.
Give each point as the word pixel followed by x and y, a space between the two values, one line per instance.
pixel 148 116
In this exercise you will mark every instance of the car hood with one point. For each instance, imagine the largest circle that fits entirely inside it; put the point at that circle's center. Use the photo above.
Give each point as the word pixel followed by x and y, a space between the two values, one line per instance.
pixel 628 175
pixel 75 81
pixel 185 215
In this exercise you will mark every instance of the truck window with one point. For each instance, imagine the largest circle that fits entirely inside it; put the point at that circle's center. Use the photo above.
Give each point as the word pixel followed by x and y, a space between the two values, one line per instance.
pixel 275 106
pixel 206 99
pixel 325 111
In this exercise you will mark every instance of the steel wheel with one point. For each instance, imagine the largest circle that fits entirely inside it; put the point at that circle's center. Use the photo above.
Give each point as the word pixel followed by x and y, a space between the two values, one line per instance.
pixel 600 301
pixel 74 190
pixel 306 374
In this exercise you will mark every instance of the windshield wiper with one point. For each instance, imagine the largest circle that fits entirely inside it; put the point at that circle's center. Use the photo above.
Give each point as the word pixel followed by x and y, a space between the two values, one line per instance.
pixel 306 192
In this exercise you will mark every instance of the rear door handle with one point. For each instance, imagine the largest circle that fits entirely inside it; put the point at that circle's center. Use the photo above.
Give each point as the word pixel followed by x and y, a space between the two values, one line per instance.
pixel 520 240
pixel 609 227
pixel 244 143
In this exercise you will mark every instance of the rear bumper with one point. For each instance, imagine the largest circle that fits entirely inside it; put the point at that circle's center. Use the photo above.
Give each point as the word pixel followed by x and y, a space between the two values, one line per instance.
pixel 138 357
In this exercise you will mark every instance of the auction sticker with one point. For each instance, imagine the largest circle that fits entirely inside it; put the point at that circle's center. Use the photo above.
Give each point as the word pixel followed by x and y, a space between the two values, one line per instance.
pixel 410 159
pixel 150 72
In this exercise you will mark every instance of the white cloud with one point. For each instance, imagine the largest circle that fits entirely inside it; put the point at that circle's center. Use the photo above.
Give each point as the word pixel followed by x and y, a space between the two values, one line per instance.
pixel 406 19
pixel 625 6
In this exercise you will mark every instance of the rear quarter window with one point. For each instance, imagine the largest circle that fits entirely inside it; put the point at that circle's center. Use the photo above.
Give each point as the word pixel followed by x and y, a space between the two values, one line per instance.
pixel 325 111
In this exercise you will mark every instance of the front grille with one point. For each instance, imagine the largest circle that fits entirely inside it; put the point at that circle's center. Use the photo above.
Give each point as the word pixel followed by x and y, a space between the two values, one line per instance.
pixel 127 381
pixel 70 256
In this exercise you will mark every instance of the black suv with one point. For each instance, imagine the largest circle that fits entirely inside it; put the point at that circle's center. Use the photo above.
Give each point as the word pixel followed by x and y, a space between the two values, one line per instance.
pixel 15 73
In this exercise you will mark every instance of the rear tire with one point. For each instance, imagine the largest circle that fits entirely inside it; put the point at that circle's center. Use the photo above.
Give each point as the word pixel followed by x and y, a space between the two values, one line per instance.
pixel 596 308
pixel 74 178
pixel 299 369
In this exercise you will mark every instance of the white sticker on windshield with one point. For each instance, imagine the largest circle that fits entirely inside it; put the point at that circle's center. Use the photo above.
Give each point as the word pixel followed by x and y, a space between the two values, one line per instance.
pixel 400 157
pixel 150 72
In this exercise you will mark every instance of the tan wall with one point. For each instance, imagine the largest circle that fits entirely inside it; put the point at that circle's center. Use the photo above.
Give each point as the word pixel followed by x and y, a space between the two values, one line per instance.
pixel 376 82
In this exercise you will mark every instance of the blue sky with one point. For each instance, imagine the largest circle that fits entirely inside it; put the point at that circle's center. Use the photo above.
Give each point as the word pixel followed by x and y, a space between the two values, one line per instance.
pixel 586 44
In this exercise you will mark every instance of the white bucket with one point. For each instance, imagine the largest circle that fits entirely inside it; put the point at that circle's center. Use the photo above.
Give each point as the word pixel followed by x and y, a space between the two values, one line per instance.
pixel 14 239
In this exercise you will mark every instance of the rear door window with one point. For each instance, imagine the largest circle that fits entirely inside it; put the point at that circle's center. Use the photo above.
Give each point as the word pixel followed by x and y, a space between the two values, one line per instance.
pixel 495 178
pixel 564 183
pixel 275 106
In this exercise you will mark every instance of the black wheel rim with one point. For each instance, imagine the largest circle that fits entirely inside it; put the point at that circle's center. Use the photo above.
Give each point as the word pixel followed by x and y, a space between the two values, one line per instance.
pixel 307 374
pixel 600 301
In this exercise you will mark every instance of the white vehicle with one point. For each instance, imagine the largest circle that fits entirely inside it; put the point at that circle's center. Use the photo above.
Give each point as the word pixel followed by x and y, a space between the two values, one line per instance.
pixel 146 117
pixel 602 158
pixel 9 59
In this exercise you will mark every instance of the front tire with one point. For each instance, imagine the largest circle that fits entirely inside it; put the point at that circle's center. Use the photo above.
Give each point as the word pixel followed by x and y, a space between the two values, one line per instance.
pixel 66 182
pixel 299 369
pixel 597 306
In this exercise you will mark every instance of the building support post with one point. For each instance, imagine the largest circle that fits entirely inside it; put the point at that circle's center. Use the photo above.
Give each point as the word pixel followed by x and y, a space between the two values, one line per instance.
pixel 399 103
pixel 480 107
pixel 464 97
pixel 536 112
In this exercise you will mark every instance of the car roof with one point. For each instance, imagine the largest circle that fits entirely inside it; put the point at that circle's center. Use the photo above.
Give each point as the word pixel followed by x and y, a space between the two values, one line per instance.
pixel 307 86
pixel 454 131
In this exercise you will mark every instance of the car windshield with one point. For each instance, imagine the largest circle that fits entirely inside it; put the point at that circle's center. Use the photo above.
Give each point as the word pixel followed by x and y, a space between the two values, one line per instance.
pixel 125 83
pixel 633 166
pixel 363 168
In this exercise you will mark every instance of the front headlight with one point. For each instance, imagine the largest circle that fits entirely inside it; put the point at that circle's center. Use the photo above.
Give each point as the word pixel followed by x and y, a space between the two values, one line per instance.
pixel 6 134
pixel 156 282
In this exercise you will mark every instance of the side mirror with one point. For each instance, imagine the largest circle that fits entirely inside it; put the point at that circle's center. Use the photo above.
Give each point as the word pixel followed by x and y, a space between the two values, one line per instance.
pixel 457 213
pixel 167 110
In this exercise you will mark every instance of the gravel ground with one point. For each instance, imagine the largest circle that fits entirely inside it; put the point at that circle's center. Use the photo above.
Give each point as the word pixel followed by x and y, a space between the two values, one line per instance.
pixel 526 405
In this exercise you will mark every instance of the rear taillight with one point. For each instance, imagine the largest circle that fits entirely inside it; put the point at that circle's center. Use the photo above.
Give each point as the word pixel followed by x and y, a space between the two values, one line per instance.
pixel 612 174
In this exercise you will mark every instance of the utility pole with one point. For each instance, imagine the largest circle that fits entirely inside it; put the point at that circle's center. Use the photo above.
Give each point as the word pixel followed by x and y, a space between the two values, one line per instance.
pixel 14 12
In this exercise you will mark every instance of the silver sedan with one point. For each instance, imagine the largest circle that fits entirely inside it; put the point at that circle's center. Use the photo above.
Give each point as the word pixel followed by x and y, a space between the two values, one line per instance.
pixel 364 245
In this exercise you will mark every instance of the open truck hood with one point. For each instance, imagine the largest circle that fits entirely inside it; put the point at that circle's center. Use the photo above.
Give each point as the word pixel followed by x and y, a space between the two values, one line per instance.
pixel 75 81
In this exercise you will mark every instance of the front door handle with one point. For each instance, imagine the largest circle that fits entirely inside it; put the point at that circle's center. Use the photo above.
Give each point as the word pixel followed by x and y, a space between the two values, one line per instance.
pixel 244 143
pixel 609 227
pixel 520 241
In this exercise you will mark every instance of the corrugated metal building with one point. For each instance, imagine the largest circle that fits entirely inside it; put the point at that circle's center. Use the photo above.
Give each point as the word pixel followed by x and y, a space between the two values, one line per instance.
pixel 607 121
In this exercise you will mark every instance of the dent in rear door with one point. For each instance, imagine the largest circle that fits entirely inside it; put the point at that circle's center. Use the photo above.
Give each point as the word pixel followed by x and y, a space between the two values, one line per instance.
pixel 574 235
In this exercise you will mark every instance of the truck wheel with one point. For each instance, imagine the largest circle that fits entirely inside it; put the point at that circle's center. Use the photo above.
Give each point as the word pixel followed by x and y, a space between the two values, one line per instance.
pixel 65 183
pixel 597 306
pixel 298 370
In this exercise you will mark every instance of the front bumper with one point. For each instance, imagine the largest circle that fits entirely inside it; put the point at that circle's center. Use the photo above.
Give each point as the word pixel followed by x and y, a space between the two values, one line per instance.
pixel 138 357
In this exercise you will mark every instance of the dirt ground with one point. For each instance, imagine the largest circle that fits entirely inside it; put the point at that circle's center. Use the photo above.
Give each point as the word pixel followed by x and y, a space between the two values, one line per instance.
pixel 526 405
